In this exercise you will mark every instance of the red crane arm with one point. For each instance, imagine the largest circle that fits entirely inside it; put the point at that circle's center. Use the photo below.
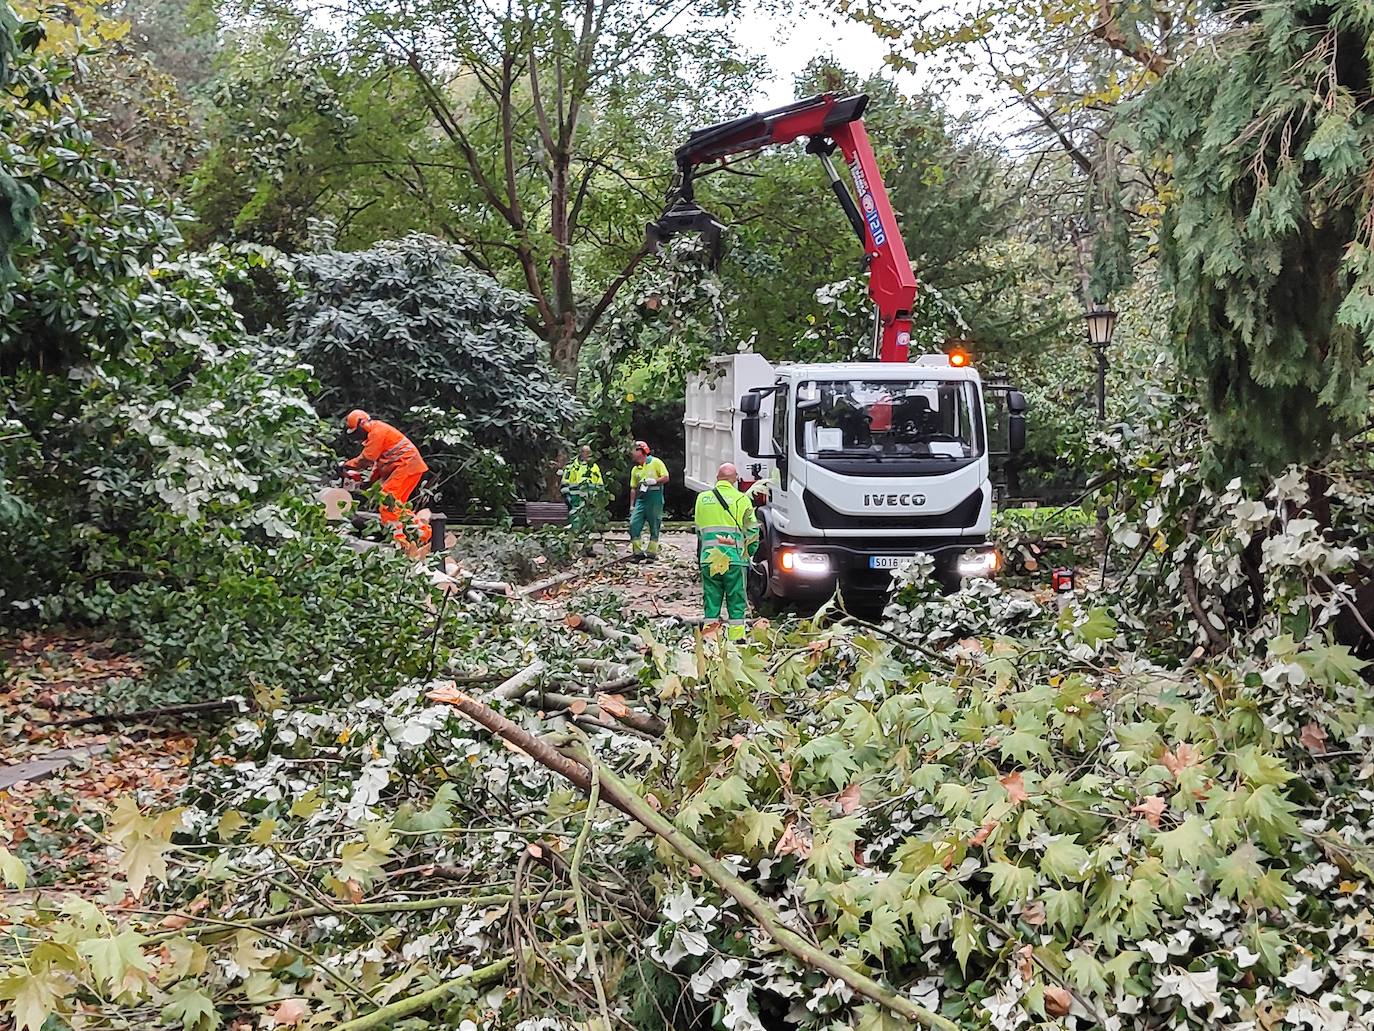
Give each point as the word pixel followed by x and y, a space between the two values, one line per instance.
pixel 828 124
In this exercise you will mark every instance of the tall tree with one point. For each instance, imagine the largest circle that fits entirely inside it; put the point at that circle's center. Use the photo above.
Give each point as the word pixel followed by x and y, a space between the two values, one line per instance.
pixel 1268 242
pixel 546 134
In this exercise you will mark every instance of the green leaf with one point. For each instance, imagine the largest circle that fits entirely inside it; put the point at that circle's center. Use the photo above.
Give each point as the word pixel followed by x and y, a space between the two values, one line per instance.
pixel 876 667
pixel 729 794
pixel 966 941
pixel 118 963
pixel 1093 627
pixel 827 759
pixel 1273 816
pixel 1268 944
pixel 1118 968
pixel 1332 664
pixel 1011 883
pixel 1186 844
pixel 1238 873
pixel 884 932
pixel 1259 768
pixel 1064 859
pixel 953 798
pixel 1064 907
pixel 33 997
pixel 832 848
pixel 230 824
pixel 438 816
pixel 12 869
pixel 145 840
pixel 192 1007
pixel 761 828
pixel 1021 745
pixel 309 804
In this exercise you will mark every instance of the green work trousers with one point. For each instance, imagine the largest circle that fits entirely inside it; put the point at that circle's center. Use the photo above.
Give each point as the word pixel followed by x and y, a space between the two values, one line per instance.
pixel 727 587
pixel 647 511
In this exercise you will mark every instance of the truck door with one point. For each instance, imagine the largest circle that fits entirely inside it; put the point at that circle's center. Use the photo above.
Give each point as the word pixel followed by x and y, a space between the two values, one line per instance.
pixel 781 441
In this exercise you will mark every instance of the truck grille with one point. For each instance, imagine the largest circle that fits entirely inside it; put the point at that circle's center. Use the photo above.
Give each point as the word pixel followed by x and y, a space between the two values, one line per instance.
pixel 823 517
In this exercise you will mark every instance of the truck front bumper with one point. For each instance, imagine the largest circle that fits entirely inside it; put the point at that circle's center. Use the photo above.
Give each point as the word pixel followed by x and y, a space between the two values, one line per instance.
pixel 848 562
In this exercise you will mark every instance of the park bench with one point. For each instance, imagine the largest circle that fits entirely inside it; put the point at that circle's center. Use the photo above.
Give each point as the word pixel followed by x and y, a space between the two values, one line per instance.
pixel 539 513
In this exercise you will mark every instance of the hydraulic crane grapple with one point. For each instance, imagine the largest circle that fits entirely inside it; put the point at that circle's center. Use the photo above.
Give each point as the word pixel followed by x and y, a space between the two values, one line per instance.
pixel 827 124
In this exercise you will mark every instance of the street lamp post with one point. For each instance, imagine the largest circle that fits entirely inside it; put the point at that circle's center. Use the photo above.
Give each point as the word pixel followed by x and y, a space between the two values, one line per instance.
pixel 1101 324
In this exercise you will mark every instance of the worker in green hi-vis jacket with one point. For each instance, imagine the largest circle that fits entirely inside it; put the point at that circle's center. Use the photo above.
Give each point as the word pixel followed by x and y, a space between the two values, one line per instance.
pixel 647 480
pixel 728 531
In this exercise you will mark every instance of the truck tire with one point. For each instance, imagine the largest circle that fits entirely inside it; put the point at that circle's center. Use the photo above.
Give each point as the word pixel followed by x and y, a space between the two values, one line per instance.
pixel 761 597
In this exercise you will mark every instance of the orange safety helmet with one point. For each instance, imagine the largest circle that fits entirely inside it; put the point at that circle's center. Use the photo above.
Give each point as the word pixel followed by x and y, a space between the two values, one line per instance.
pixel 356 420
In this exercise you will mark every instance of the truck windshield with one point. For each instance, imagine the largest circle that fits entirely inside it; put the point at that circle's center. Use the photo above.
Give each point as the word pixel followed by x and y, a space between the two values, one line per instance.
pixel 883 420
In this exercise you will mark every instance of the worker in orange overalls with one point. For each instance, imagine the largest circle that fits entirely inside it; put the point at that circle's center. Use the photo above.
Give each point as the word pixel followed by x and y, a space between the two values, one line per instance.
pixel 394 460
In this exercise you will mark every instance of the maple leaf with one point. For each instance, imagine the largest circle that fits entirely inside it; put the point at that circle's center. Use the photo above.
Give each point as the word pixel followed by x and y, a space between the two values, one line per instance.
pixel 1034 914
pixel 192 1007
pixel 1152 808
pixel 761 829
pixel 1025 965
pixel 1180 758
pixel 793 842
pixel 717 562
pixel 1016 787
pixel 983 833
pixel 848 799
pixel 290 1013
pixel 32 997
pixel 145 840
pixel 1313 737
pixel 1058 1001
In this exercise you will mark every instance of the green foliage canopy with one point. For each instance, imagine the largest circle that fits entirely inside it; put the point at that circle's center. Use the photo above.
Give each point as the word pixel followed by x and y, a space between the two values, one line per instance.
pixel 1266 239
pixel 408 324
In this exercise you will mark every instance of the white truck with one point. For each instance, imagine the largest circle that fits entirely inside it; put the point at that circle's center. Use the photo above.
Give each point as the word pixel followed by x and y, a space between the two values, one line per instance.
pixel 863 464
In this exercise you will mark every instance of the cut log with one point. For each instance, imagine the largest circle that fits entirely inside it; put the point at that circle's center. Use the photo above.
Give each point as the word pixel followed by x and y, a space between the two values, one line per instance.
pixel 590 624
pixel 521 684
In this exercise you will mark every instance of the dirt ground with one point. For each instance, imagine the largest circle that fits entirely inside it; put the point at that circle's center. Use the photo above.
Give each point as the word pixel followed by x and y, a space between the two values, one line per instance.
pixel 669 587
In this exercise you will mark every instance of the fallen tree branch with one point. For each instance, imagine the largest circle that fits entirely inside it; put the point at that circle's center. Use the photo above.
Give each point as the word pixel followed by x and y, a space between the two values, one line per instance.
pixel 400 906
pixel 614 791
pixel 538 748
pixel 393 1011
pixel 384 1016
pixel 521 683
pixel 562 578
pixel 596 625
pixel 579 706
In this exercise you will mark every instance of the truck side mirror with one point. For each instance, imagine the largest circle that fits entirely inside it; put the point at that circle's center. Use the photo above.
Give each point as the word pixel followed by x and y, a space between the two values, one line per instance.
pixel 749 432
pixel 1016 432
pixel 1016 402
pixel 750 403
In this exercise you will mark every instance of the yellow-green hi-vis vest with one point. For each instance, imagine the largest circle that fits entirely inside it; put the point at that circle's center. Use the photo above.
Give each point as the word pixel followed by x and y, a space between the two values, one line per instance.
pixel 731 527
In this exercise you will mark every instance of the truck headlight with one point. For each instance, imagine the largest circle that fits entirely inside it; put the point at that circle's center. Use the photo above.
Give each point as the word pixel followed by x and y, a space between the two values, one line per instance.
pixel 805 563
pixel 976 564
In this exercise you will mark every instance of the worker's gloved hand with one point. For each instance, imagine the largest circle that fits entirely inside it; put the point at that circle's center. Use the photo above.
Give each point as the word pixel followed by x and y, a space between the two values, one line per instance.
pixel 649 481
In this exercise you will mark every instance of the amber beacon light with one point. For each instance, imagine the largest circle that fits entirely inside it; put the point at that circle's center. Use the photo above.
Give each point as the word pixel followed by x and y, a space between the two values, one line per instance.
pixel 958 353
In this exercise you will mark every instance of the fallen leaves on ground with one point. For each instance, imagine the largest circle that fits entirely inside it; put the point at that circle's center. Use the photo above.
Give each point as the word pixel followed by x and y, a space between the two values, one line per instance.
pixel 53 676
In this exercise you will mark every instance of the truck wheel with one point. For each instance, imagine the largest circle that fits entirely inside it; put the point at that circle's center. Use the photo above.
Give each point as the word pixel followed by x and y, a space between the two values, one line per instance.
pixel 761 597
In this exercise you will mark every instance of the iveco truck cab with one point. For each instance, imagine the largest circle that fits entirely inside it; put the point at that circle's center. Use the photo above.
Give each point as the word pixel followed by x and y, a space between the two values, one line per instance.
pixel 863 466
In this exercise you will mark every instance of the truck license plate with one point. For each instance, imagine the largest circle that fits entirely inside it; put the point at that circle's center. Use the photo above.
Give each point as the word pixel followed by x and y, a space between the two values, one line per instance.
pixel 886 561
